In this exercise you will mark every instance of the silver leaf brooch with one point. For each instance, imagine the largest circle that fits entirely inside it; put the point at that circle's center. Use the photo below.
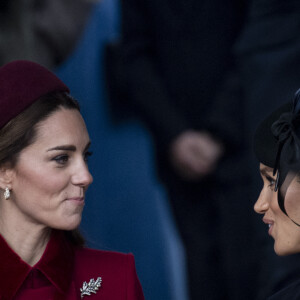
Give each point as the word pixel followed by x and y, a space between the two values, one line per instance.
pixel 91 287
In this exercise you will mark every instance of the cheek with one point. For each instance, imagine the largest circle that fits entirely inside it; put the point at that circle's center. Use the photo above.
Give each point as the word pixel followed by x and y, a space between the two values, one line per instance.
pixel 292 205
pixel 286 235
pixel 37 182
pixel 274 204
pixel 287 241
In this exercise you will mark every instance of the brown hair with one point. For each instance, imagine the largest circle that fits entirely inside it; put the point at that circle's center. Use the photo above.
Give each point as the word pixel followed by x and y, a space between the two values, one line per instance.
pixel 21 131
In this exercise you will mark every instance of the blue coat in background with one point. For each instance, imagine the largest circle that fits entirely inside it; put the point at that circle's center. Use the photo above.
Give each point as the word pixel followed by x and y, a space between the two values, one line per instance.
pixel 126 208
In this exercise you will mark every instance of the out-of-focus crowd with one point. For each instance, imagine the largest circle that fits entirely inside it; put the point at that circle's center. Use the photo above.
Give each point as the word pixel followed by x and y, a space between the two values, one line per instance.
pixel 172 92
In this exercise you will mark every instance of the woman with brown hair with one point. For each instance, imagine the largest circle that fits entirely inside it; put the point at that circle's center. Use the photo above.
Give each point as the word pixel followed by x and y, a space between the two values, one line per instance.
pixel 44 148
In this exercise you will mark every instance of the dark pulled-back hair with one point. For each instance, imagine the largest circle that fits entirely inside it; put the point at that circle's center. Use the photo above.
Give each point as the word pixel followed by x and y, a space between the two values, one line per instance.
pixel 21 131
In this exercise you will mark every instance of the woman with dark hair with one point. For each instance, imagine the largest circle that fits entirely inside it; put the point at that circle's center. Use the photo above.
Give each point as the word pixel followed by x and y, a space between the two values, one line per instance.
pixel 277 147
pixel 44 148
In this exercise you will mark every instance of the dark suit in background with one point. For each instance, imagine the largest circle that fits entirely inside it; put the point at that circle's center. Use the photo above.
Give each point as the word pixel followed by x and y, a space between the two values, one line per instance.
pixel 176 58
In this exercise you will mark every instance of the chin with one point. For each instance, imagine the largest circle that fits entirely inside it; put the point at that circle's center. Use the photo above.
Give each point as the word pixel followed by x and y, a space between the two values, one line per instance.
pixel 284 251
pixel 69 224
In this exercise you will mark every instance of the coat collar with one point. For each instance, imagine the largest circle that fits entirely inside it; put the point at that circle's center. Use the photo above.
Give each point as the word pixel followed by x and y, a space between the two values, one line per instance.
pixel 56 264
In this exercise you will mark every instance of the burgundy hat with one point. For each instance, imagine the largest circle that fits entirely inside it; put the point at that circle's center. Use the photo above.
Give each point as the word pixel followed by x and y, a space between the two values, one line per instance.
pixel 21 83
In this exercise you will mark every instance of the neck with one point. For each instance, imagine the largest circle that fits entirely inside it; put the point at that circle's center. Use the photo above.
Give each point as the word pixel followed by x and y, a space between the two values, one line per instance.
pixel 28 242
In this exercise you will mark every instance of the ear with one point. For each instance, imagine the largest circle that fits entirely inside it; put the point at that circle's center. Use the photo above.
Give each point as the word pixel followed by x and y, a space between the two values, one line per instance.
pixel 6 176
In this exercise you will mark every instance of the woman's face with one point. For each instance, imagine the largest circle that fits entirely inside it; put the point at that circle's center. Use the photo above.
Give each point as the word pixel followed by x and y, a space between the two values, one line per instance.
pixel 284 232
pixel 51 176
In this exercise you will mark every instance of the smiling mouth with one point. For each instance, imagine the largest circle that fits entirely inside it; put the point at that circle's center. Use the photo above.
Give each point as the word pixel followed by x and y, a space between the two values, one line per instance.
pixel 77 200
pixel 270 224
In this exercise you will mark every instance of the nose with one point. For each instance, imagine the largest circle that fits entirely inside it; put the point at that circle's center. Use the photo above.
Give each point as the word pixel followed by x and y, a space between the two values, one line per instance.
pixel 82 176
pixel 262 203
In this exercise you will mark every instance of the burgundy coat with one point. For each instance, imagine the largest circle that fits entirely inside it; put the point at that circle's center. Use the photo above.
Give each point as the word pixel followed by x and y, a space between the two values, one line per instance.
pixel 63 269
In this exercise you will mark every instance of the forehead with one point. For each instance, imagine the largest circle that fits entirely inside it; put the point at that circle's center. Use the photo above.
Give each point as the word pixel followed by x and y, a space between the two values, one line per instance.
pixel 63 126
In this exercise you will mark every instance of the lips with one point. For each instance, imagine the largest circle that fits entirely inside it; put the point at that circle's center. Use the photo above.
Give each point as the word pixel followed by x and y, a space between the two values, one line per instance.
pixel 76 200
pixel 270 224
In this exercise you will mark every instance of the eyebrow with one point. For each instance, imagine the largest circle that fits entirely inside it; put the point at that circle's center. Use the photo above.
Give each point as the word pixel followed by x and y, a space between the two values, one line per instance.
pixel 263 171
pixel 68 147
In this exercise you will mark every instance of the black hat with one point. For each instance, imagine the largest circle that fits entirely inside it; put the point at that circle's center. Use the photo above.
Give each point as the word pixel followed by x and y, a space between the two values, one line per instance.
pixel 265 143
pixel 277 144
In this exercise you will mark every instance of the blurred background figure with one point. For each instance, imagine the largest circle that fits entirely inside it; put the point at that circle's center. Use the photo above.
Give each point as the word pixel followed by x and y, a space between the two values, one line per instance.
pixel 176 64
pixel 45 31
pixel 127 210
